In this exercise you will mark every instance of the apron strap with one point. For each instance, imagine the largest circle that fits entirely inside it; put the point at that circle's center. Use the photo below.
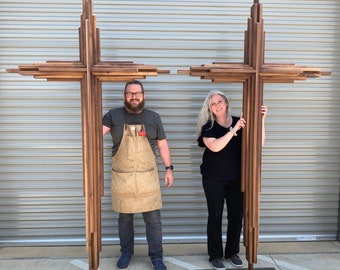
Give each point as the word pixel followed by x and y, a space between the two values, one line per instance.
pixel 141 119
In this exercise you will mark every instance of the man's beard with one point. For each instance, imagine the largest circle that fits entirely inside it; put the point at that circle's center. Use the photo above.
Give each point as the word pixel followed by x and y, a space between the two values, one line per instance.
pixel 134 109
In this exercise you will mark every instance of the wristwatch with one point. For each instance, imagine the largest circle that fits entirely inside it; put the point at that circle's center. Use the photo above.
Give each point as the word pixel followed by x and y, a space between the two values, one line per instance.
pixel 169 167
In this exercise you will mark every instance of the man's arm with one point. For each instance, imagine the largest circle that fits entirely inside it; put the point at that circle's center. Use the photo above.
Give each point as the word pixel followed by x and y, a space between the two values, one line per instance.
pixel 106 130
pixel 264 110
pixel 164 153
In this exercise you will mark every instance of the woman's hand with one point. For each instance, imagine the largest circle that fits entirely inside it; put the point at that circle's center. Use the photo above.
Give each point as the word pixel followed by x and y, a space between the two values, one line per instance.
pixel 264 110
pixel 241 123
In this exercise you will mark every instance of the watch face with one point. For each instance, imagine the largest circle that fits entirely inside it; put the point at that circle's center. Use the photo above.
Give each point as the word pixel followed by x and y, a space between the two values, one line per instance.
pixel 169 167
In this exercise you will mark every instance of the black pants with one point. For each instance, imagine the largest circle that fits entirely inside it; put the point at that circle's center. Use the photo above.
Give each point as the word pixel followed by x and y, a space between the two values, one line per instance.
pixel 216 193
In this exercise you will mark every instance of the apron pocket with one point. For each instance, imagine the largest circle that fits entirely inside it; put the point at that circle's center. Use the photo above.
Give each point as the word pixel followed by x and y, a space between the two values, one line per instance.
pixel 135 183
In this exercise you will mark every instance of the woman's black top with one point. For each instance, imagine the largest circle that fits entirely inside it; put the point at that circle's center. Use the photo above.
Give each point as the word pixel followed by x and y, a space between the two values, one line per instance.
pixel 224 165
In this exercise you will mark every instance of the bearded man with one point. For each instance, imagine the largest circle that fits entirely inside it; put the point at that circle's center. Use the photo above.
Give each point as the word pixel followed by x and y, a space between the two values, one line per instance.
pixel 135 188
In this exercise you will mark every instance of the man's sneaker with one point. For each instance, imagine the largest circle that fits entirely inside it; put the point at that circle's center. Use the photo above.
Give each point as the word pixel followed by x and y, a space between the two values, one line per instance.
pixel 123 262
pixel 158 264
pixel 236 261
pixel 217 264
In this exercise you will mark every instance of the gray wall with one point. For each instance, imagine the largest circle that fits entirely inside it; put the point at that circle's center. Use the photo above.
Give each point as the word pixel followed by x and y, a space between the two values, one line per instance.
pixel 40 131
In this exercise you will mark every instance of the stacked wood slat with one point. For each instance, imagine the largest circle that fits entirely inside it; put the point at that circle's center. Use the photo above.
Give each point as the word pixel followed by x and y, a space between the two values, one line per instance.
pixel 269 73
pixel 76 71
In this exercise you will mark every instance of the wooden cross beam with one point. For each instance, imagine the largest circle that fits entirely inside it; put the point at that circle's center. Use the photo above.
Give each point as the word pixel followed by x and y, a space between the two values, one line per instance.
pixel 253 73
pixel 90 71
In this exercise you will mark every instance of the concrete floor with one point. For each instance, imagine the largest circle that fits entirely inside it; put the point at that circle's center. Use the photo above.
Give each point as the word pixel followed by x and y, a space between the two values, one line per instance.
pixel 278 256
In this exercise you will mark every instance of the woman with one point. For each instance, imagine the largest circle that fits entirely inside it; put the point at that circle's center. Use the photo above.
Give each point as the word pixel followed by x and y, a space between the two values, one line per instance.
pixel 221 135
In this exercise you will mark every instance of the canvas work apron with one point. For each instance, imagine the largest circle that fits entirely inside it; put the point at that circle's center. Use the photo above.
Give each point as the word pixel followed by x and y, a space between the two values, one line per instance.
pixel 135 184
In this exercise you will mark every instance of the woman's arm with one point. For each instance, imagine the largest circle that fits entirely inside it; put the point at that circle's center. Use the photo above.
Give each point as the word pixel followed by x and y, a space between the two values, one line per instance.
pixel 217 145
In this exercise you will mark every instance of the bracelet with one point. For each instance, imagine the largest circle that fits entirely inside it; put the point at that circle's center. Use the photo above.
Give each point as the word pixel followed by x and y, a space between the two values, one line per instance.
pixel 233 131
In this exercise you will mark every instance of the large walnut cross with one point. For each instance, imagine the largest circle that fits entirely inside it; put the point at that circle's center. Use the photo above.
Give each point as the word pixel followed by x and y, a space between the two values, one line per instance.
pixel 90 72
pixel 253 73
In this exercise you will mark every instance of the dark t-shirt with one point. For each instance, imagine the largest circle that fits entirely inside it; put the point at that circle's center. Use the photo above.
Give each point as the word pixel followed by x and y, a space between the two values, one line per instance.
pixel 115 119
pixel 224 165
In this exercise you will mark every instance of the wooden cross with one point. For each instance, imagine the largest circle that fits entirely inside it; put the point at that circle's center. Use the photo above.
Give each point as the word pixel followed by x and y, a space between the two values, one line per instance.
pixel 90 71
pixel 253 73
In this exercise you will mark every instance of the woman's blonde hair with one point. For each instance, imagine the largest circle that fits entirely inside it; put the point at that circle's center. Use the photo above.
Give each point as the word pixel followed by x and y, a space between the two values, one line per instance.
pixel 206 114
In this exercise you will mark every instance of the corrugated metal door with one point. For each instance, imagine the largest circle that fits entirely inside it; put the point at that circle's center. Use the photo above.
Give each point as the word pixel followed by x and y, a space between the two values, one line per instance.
pixel 40 131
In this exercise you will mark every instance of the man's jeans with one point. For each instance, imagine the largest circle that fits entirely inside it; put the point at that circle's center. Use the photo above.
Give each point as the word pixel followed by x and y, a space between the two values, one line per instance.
pixel 153 227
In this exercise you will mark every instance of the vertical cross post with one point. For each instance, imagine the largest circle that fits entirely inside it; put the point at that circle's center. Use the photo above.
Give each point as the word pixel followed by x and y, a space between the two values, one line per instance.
pixel 91 104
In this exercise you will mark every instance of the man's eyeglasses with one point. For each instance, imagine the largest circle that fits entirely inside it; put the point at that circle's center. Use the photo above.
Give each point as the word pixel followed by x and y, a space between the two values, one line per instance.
pixel 136 94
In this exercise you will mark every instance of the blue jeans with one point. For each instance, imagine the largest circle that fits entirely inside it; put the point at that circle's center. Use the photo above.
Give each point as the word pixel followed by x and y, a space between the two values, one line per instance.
pixel 153 228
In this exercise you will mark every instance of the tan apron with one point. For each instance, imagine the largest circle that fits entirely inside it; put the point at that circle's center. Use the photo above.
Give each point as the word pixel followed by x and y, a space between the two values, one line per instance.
pixel 135 184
